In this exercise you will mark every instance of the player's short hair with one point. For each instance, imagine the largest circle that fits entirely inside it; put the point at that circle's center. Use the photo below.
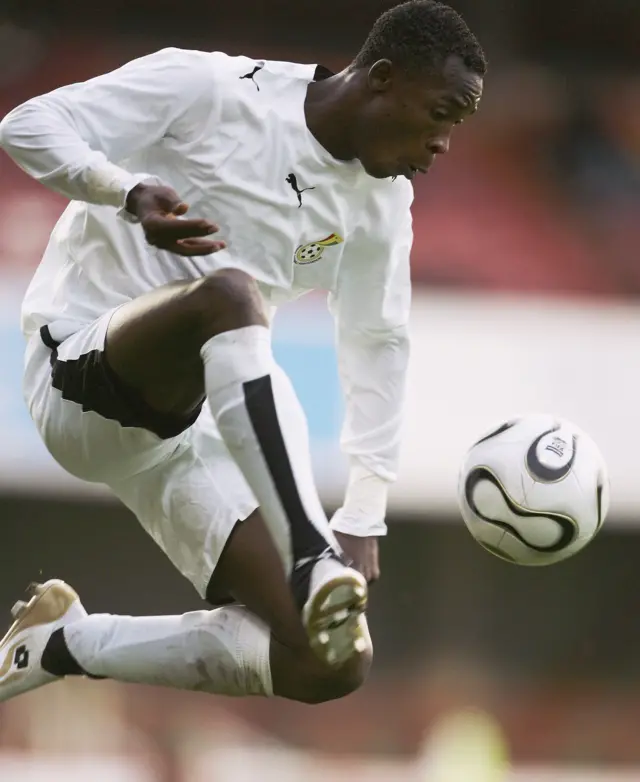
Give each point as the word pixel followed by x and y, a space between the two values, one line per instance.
pixel 419 36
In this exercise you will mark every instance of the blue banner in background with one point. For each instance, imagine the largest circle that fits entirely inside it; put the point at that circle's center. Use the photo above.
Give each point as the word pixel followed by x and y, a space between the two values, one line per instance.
pixel 21 452
pixel 304 347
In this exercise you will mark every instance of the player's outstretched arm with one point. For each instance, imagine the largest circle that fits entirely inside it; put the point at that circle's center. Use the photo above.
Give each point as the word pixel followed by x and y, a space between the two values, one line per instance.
pixel 371 306
pixel 72 139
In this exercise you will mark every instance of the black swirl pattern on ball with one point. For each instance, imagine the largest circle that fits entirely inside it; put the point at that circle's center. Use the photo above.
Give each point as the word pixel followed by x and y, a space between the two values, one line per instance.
pixel 568 527
pixel 503 428
pixel 540 471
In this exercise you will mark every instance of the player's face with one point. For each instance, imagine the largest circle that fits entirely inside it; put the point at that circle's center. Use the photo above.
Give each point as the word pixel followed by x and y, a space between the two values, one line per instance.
pixel 407 122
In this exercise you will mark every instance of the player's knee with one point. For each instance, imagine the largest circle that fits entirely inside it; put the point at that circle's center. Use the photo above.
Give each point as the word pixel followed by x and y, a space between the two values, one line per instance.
pixel 323 685
pixel 226 300
pixel 347 680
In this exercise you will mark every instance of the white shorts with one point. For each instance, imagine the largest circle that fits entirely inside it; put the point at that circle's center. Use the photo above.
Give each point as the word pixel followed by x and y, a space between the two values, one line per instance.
pixel 180 482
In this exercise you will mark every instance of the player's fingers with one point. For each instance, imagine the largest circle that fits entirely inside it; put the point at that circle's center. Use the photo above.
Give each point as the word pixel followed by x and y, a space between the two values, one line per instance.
pixel 195 247
pixel 167 229
pixel 180 209
pixel 187 229
pixel 373 576
pixel 373 570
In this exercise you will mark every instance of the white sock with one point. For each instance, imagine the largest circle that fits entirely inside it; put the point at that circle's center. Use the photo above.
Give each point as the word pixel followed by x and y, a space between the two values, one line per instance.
pixel 264 427
pixel 225 651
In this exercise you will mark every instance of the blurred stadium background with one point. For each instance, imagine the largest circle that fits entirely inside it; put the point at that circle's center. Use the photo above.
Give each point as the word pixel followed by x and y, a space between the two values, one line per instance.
pixel 527 286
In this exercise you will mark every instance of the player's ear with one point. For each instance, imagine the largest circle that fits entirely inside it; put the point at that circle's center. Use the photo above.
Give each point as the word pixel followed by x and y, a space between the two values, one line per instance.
pixel 380 76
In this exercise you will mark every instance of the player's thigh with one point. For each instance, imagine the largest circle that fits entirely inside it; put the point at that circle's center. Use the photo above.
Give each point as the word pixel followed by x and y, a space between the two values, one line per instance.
pixel 154 341
pixel 150 346
pixel 95 429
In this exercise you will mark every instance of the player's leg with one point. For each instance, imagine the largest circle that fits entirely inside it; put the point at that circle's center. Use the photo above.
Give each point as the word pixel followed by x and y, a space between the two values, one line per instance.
pixel 210 338
pixel 188 502
pixel 250 571
pixel 227 651
pixel 190 505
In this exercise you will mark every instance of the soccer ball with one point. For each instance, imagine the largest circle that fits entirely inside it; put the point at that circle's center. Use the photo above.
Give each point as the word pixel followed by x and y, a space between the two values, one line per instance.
pixel 534 491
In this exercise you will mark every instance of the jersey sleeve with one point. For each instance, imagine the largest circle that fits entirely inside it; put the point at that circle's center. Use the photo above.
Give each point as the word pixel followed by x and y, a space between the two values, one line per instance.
pixel 73 138
pixel 371 307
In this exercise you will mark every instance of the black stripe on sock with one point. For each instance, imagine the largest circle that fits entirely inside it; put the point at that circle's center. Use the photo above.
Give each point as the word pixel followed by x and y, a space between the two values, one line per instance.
pixel 306 541
pixel 58 660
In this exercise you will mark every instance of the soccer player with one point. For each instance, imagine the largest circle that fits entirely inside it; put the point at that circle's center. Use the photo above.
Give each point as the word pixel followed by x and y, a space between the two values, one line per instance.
pixel 149 364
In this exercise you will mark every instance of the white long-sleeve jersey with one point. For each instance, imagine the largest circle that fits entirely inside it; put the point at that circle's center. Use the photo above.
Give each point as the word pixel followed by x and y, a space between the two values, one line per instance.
pixel 229 134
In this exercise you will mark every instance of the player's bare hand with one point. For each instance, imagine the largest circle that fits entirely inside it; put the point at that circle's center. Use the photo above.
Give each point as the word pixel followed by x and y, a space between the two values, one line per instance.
pixel 157 208
pixel 364 554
